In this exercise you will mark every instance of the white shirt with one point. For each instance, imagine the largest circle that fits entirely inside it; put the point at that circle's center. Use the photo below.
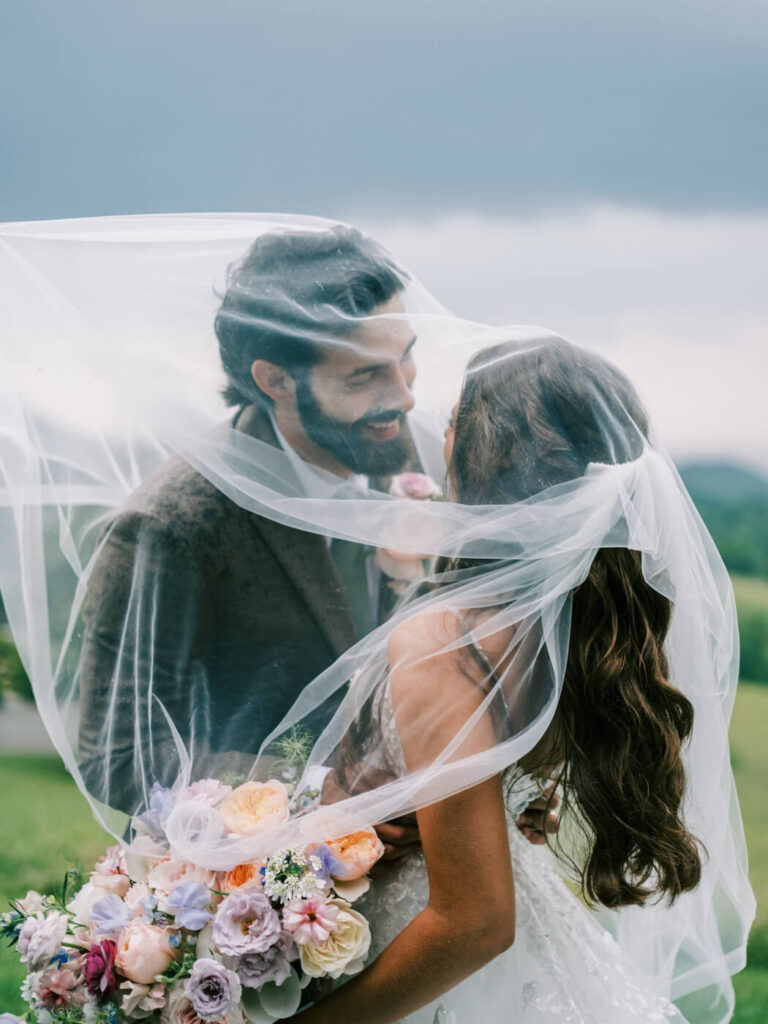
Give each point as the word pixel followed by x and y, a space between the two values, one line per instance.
pixel 322 483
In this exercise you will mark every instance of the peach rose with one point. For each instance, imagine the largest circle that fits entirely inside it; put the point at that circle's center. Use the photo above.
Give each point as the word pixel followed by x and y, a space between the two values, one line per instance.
pixel 242 875
pixel 165 876
pixel 143 952
pixel 118 884
pixel 358 852
pixel 253 805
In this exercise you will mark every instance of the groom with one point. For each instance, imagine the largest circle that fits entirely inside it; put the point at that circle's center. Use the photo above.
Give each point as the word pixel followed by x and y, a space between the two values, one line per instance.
pixel 215 617
pixel 203 612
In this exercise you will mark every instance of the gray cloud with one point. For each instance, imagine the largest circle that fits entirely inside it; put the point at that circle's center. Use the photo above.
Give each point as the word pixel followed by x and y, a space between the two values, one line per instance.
pixel 323 107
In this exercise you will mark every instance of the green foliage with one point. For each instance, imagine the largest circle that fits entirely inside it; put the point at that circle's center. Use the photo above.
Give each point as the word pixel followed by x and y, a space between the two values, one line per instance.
pixel 752 605
pixel 13 678
pixel 733 502
pixel 740 530
pixel 47 828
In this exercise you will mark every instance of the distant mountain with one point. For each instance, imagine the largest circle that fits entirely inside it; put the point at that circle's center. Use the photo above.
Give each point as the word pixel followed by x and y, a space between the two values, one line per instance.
pixel 723 481
pixel 733 502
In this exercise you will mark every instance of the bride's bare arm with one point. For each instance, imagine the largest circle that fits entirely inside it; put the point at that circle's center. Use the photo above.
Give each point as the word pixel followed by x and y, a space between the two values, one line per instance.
pixel 470 917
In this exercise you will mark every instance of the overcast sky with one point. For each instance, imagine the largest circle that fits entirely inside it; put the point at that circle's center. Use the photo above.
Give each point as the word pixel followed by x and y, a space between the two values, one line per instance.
pixel 598 166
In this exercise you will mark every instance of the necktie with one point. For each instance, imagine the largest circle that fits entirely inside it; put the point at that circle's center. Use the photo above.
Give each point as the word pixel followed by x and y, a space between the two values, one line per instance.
pixel 350 559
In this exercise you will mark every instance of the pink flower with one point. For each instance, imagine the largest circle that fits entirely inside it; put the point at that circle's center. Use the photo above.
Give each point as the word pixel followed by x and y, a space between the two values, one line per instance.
pixel 112 862
pixel 33 903
pixel 209 791
pixel 401 567
pixel 60 986
pixel 245 923
pixel 310 920
pixel 143 952
pixel 168 874
pixel 100 978
pixel 40 939
pixel 418 486
pixel 136 897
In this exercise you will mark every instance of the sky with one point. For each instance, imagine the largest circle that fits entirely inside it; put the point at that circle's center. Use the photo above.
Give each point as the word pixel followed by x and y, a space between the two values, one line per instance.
pixel 595 167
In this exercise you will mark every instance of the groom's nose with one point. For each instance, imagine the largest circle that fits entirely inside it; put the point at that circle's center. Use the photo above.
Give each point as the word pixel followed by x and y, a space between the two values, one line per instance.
pixel 398 394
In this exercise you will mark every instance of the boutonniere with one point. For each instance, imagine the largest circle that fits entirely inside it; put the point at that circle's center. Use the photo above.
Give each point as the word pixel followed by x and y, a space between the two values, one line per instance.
pixel 401 568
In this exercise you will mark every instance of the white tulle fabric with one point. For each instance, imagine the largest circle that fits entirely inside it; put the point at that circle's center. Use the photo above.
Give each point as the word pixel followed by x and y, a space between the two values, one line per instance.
pixel 109 367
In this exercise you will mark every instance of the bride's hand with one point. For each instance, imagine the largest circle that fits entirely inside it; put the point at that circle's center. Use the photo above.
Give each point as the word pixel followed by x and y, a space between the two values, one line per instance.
pixel 536 822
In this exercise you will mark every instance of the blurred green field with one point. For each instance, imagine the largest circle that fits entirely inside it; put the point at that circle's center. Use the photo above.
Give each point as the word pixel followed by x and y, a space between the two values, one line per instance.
pixel 48 828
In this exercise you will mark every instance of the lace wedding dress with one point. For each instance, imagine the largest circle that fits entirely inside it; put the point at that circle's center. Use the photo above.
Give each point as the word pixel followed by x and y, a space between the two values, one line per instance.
pixel 563 967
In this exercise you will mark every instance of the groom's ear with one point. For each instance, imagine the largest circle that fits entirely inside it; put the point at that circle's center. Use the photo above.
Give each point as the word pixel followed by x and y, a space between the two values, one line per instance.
pixel 273 380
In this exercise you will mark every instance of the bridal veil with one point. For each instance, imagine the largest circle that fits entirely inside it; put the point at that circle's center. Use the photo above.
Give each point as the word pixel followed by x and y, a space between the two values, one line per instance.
pixel 125 386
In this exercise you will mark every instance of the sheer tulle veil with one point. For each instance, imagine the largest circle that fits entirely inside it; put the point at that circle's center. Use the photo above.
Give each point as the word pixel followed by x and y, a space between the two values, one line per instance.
pixel 119 339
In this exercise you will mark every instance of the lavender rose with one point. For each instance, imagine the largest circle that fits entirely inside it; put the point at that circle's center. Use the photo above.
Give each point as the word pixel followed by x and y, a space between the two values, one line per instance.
pixel 40 939
pixel 255 969
pixel 246 923
pixel 213 990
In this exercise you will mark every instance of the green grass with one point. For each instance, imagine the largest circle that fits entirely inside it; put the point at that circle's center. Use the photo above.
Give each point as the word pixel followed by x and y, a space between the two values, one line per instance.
pixel 49 828
pixel 751 593
pixel 749 729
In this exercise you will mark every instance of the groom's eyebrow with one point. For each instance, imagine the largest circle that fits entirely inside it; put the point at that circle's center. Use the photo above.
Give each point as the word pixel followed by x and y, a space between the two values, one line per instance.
pixel 379 366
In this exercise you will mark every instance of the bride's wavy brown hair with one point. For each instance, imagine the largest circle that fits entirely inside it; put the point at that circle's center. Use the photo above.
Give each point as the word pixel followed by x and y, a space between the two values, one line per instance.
pixel 530 417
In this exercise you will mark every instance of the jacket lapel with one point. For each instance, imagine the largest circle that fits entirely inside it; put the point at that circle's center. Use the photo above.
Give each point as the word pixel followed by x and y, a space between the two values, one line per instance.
pixel 304 556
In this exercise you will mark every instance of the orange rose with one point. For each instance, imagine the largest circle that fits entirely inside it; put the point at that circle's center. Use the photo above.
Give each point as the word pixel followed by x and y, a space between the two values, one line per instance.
pixel 253 805
pixel 240 876
pixel 358 852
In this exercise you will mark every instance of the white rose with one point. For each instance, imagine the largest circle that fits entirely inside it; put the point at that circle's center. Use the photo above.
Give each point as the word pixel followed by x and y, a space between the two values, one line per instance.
pixel 205 948
pixel 345 949
pixel 141 1001
pixel 82 903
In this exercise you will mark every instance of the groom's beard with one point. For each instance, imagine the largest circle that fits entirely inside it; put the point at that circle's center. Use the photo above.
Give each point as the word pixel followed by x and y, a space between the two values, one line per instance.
pixel 346 441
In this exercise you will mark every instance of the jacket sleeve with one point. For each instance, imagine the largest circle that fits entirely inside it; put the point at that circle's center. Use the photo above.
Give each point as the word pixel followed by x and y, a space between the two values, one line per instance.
pixel 147 625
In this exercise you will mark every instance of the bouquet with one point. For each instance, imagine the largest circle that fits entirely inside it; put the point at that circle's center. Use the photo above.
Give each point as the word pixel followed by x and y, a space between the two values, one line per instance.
pixel 149 936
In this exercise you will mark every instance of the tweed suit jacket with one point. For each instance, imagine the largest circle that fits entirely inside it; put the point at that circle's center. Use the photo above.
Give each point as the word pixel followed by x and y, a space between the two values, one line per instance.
pixel 219 615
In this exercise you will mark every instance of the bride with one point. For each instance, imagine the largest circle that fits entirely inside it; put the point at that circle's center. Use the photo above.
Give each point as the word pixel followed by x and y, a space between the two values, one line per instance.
pixel 481 928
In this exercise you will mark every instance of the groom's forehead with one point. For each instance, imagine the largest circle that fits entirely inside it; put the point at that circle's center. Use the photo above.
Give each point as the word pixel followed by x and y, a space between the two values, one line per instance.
pixel 379 342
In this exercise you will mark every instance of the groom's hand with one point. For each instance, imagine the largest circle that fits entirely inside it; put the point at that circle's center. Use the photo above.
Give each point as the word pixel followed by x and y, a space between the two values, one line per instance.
pixel 400 836
pixel 537 822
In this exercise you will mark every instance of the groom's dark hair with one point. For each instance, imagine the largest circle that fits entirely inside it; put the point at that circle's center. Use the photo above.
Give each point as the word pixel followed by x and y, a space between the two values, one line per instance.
pixel 293 292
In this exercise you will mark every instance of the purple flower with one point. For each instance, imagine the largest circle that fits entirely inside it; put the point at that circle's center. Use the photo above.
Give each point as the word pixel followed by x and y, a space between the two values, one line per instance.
pixel 246 923
pixel 213 990
pixel 329 865
pixel 188 902
pixel 160 805
pixel 111 915
pixel 255 969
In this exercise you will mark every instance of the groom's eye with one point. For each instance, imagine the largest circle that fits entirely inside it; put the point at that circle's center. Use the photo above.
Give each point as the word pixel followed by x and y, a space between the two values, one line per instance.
pixel 362 379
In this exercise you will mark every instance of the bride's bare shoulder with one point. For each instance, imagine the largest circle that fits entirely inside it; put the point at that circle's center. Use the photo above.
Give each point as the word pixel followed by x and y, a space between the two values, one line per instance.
pixel 426 633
